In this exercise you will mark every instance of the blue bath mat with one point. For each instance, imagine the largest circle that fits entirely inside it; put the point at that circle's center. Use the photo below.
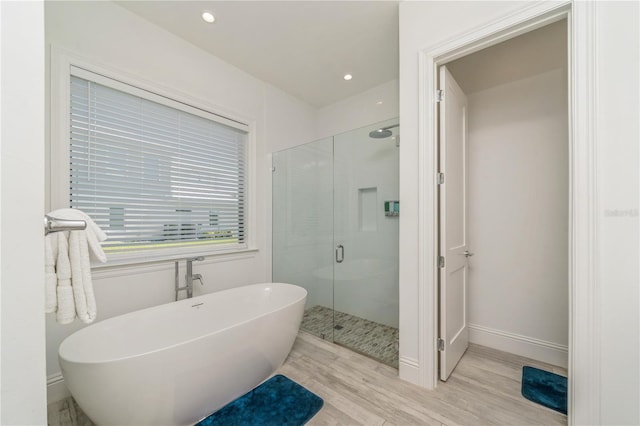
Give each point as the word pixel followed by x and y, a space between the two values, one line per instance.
pixel 545 388
pixel 279 401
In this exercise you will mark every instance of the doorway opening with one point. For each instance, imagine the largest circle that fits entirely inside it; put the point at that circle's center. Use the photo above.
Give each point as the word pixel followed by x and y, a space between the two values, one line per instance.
pixel 503 192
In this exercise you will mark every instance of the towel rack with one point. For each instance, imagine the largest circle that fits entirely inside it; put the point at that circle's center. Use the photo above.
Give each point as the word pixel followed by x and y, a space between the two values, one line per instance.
pixel 53 224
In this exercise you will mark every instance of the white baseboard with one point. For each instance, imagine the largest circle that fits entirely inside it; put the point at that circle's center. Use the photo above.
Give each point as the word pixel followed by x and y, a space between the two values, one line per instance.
pixel 56 389
pixel 409 370
pixel 529 347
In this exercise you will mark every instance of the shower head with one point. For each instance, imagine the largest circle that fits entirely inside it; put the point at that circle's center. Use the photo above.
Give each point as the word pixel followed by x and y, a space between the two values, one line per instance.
pixel 382 132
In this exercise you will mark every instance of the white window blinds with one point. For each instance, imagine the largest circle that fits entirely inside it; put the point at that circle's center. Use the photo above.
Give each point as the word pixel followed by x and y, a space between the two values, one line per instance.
pixel 153 175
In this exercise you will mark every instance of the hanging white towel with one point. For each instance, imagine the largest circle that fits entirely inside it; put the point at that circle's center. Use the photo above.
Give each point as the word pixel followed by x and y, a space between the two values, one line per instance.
pixel 66 307
pixel 50 277
pixel 70 253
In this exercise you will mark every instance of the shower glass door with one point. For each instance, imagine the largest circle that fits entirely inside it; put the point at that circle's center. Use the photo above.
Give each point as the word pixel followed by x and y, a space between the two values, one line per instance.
pixel 335 233
pixel 302 206
pixel 365 278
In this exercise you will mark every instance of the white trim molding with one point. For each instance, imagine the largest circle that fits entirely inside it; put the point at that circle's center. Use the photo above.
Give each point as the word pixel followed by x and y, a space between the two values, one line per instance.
pixel 410 368
pixel 584 340
pixel 540 350
pixel 584 313
pixel 56 389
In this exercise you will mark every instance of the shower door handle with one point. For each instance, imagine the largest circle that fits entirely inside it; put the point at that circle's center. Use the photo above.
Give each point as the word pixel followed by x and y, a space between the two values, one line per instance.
pixel 339 253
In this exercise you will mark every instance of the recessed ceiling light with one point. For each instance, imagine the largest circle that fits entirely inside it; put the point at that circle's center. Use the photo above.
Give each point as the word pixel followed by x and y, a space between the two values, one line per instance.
pixel 208 17
pixel 347 77
pixel 379 103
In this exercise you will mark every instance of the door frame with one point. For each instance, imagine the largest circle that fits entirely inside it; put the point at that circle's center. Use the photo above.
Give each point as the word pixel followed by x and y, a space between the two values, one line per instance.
pixel 584 339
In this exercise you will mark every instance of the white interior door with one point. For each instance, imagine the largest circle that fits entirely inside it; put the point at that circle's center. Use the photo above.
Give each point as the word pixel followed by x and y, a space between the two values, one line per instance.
pixel 453 224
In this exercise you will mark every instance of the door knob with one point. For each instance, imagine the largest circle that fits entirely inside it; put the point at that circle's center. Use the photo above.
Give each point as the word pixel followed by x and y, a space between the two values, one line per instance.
pixel 467 253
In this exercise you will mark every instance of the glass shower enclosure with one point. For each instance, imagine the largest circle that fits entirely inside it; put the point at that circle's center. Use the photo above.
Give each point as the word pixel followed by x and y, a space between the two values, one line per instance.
pixel 335 233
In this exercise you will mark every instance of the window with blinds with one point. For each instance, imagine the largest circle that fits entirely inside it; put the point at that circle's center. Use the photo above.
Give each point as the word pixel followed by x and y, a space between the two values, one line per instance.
pixel 155 174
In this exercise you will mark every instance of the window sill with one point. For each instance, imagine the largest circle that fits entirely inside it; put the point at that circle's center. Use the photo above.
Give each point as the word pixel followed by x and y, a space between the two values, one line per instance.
pixel 116 260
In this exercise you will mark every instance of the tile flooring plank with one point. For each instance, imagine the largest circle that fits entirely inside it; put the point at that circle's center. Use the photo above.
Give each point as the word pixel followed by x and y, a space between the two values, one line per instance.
pixel 388 395
pixel 352 404
pixel 363 397
pixel 330 415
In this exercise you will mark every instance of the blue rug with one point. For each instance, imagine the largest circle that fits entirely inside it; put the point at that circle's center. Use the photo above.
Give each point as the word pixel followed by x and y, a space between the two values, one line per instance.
pixel 545 388
pixel 279 401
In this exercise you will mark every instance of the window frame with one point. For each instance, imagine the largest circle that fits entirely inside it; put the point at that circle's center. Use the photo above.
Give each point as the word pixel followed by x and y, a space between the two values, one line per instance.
pixel 63 65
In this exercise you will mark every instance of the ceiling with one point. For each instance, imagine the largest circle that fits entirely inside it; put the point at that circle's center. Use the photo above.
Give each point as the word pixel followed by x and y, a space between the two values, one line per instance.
pixel 302 47
pixel 532 53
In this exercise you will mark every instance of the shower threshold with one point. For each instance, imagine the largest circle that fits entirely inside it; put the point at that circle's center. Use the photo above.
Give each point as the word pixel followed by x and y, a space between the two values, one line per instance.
pixel 369 338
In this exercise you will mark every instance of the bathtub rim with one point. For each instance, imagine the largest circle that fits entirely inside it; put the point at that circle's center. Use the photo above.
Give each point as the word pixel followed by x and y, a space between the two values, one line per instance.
pixel 62 359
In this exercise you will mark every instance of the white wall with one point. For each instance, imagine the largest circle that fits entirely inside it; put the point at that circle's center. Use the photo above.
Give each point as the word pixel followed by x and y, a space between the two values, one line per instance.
pixel 113 36
pixel 288 120
pixel 22 364
pixel 518 216
pixel 618 173
pixel 376 104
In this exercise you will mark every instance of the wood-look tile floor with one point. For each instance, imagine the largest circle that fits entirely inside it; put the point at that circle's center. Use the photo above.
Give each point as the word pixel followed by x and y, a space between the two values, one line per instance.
pixel 484 389
pixel 67 413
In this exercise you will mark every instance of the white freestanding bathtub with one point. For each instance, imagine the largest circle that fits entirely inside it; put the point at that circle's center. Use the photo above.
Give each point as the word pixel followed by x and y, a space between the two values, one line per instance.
pixel 175 364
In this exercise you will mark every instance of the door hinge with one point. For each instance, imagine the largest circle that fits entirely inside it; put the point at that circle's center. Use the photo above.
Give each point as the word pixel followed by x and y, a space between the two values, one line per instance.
pixel 273 169
pixel 440 345
pixel 441 261
pixel 439 95
pixel 440 178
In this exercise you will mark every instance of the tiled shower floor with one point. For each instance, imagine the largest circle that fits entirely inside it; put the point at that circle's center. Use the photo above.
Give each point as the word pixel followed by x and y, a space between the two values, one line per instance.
pixel 369 338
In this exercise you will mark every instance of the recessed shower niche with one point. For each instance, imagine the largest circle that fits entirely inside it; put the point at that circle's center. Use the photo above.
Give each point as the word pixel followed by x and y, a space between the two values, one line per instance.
pixel 367 202
pixel 333 236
